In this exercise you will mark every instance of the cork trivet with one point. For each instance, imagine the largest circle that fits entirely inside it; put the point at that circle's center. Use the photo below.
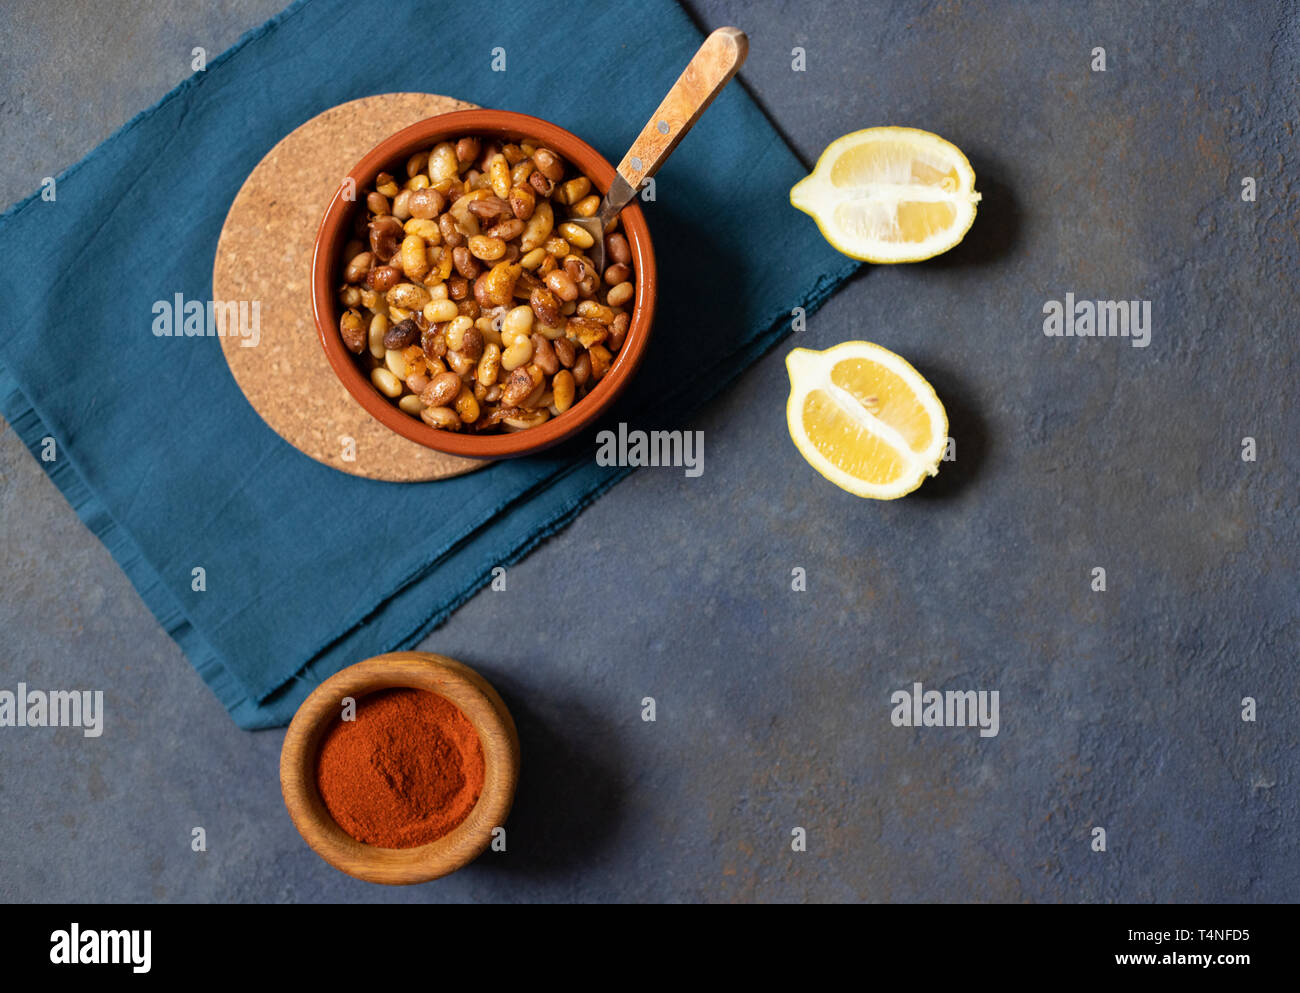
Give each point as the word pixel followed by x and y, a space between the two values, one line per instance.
pixel 264 254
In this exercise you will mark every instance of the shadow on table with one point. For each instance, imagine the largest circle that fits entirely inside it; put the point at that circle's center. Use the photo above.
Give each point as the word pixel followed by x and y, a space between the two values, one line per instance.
pixel 996 230
pixel 967 429
pixel 567 804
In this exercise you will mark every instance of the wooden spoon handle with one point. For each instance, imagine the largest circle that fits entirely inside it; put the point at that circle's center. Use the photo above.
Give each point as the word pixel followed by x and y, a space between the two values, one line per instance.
pixel 703 79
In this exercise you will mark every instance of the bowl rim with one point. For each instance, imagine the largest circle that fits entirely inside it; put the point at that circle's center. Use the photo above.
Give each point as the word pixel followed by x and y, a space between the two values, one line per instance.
pixel 331 235
pixel 457 683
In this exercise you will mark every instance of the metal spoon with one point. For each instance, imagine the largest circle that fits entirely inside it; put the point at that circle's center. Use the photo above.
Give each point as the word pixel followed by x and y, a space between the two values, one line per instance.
pixel 705 75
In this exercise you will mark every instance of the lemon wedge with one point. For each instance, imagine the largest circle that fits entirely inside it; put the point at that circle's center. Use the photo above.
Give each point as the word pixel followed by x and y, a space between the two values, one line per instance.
pixel 865 419
pixel 890 194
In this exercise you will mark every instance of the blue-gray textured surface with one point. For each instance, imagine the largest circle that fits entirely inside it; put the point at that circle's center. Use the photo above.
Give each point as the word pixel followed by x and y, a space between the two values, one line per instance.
pixel 1119 709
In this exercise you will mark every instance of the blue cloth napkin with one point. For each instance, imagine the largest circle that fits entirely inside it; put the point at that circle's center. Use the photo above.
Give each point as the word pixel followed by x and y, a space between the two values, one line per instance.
pixel 163 458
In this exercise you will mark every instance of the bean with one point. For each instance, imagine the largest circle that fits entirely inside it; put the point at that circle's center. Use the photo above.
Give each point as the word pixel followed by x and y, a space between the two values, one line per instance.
pixel 386 184
pixel 442 390
pixel 582 369
pixel 487 248
pixel 557 246
pixel 534 399
pixel 417 382
pixel 617 250
pixel 414 256
pixel 360 265
pixel 541 184
pixel 350 296
pixel 498 285
pixel 400 335
pixel 522 201
pixel 410 404
pixel 601 359
pixel 467 149
pixel 378 330
pixel 450 233
pixel 383 278
pixel 538 227
pixel 575 189
pixel 507 230
pixel 564 351
pixel 590 308
pixel 353 331
pixel 426 204
pixel 549 164
pixel 562 286
pixel 467 406
pixel 499 177
pixel 544 355
pixel 576 234
pixel 472 344
pixel 416 163
pixel 621 294
pixel 545 306
pixel 518 354
pixel 408 296
pixel 618 332
pixel 443 418
pixel 385 382
pixel 458 287
pixel 385 236
pixel 533 259
pixel 417 183
pixel 617 273
pixel 563 390
pixel 397 364
pixel 376 203
pixel 525 420
pixel 443 162
pixel 454 332
pixel 587 331
pixel 461 364
pixel 489 208
pixel 465 263
pixel 402 204
pixel 587 206
pixel 517 386
pixel 518 320
pixel 489 365
pixel 521 171
pixel 439 311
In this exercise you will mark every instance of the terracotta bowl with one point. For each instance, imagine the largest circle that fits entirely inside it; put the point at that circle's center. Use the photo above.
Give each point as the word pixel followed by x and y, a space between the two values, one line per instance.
pixel 327 264
pixel 450 679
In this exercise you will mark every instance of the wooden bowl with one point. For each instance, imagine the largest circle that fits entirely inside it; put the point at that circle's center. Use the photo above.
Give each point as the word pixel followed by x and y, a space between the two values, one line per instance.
pixel 326 277
pixel 476 699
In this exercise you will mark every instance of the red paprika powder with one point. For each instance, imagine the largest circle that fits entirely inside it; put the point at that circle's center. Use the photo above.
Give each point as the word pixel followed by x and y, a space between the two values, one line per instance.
pixel 405 772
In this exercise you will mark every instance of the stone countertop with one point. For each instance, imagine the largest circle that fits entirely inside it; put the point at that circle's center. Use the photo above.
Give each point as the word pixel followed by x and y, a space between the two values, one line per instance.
pixel 1119 709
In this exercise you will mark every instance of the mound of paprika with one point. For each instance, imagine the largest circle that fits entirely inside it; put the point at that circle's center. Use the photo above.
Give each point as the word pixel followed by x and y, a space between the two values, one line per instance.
pixel 406 771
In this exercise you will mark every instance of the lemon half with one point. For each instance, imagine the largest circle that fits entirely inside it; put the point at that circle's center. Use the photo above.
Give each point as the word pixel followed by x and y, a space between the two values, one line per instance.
pixel 865 419
pixel 890 194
